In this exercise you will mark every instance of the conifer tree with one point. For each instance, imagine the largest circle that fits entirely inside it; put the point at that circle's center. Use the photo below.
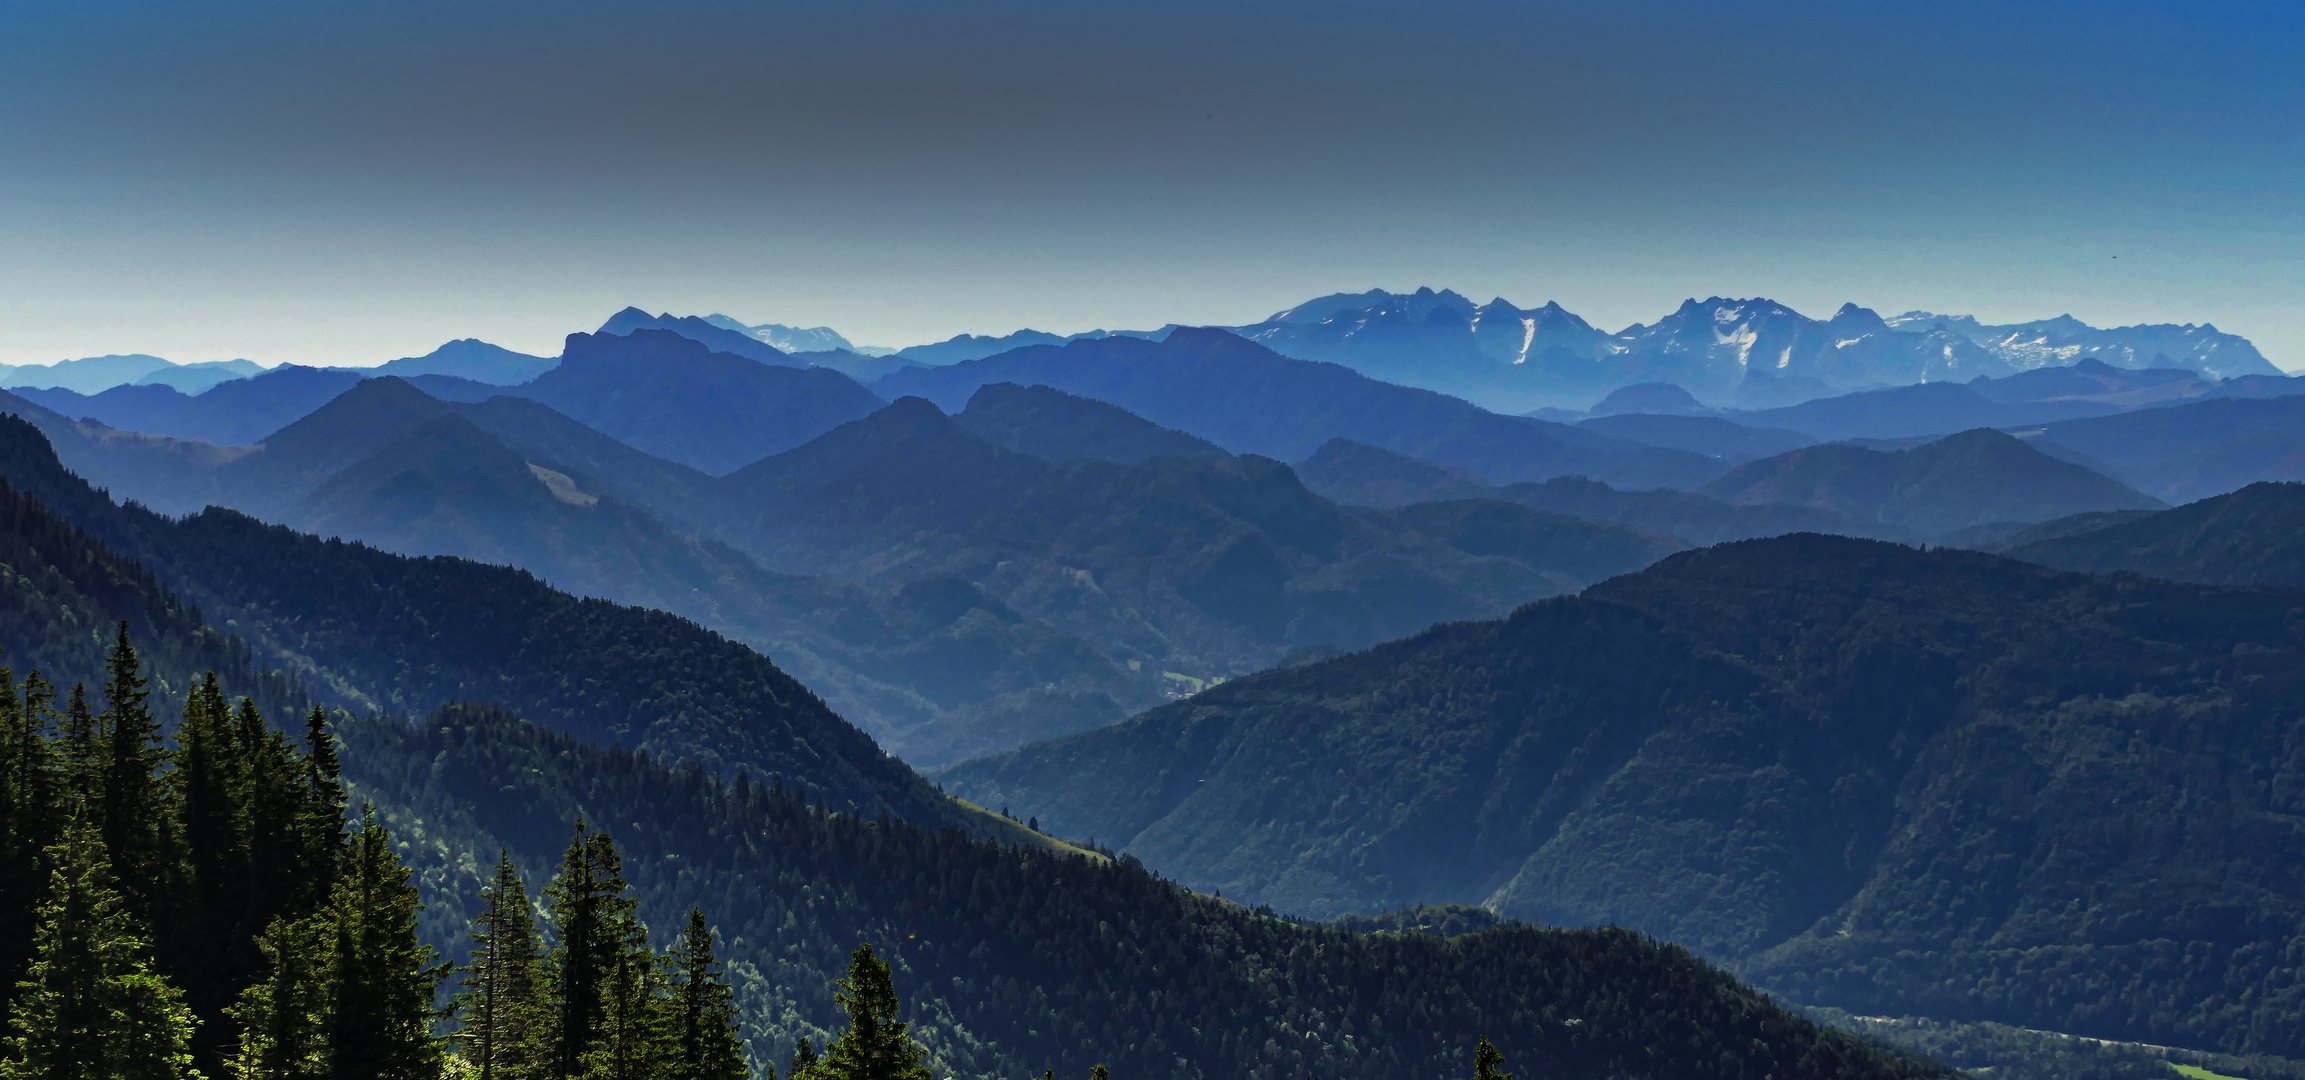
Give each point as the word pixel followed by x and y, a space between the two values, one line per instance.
pixel 90 1007
pixel 1488 1064
pixel 207 940
pixel 380 1023
pixel 32 796
pixel 705 1007
pixel 876 1045
pixel 284 1016
pixel 805 1064
pixel 596 924
pixel 497 1012
pixel 636 1037
pixel 320 817
pixel 135 817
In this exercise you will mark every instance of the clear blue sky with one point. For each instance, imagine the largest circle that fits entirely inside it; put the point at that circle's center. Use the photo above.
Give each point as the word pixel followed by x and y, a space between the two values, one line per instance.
pixel 339 181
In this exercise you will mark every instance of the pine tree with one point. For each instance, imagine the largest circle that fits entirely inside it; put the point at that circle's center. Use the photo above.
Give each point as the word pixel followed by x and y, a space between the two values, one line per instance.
pixel 1488 1064
pixel 320 817
pixel 706 1011
pixel 497 1011
pixel 380 1026
pixel 90 1006
pixel 596 925
pixel 207 941
pixel 135 817
pixel 876 1045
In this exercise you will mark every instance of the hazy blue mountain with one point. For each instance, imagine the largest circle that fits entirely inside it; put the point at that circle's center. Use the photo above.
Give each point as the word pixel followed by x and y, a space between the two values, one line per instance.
pixel 473 359
pixel 1205 567
pixel 453 388
pixel 2254 536
pixel 198 377
pixel 2091 379
pixel 1056 426
pixel 2187 452
pixel 1666 398
pixel 233 413
pixel 1358 474
pixel 858 366
pixel 670 396
pixel 975 347
pixel 88 375
pixel 2064 339
pixel 1697 519
pixel 1876 777
pixel 719 338
pixel 1249 399
pixel 1935 408
pixel 1958 482
pixel 172 476
pixel 1732 443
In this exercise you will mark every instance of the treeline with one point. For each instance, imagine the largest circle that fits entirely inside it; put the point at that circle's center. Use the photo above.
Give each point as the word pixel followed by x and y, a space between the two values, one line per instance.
pixel 204 908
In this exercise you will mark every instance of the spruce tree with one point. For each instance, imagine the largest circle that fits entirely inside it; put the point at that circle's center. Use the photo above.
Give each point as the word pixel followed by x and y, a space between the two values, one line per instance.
pixel 804 1065
pixel 90 1007
pixel 380 1026
pixel 320 815
pixel 876 1045
pixel 284 1015
pixel 208 941
pixel 595 923
pixel 1488 1064
pixel 636 1037
pixel 708 1048
pixel 135 816
pixel 497 1013
pixel 32 805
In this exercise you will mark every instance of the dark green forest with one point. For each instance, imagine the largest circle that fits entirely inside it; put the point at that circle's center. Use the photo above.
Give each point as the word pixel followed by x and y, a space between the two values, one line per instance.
pixel 1899 782
pixel 244 918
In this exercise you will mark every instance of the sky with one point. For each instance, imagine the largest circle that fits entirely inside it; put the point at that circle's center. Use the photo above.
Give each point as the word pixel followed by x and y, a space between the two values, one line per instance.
pixel 345 182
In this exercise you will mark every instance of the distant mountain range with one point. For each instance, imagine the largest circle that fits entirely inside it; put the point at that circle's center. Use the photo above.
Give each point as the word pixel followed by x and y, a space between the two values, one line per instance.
pixel 98 373
pixel 1754 353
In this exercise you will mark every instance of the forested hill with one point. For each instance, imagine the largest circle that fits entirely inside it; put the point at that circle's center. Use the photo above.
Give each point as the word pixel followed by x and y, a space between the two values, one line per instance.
pixel 1936 783
pixel 2254 536
pixel 375 631
pixel 1011 959
pixel 1015 961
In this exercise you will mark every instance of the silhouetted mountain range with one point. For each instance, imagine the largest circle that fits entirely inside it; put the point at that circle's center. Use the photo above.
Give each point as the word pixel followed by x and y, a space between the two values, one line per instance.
pixel 1956 482
pixel 471 358
pixel 233 413
pixel 2187 452
pixel 1248 399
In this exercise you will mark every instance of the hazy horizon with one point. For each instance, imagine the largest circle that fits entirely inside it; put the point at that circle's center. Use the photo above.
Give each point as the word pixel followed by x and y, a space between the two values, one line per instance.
pixel 353 183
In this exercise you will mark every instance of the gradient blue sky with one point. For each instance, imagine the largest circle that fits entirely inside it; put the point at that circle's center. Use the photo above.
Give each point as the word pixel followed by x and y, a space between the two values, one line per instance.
pixel 345 182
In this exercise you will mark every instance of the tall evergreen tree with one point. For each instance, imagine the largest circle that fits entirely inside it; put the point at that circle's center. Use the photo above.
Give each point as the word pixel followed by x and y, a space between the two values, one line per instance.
pixel 380 1026
pixel 135 815
pixel 497 1013
pixel 284 1015
pixel 32 796
pixel 320 815
pixel 705 1010
pixel 636 1037
pixel 596 924
pixel 208 940
pixel 90 1007
pixel 1488 1064
pixel 876 1045
pixel 805 1065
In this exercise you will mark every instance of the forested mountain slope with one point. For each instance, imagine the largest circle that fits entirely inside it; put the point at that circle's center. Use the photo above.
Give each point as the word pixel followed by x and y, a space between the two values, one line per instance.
pixel 378 631
pixel 1937 783
pixel 1012 961
pixel 2187 452
pixel 1010 958
pixel 2254 536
